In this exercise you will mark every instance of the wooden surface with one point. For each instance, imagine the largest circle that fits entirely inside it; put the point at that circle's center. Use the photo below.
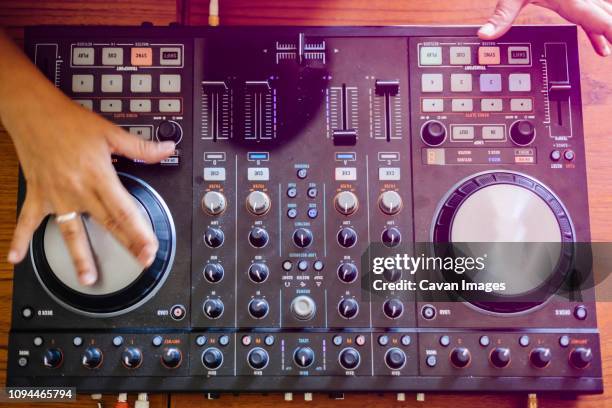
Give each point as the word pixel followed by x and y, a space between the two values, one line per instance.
pixel 597 99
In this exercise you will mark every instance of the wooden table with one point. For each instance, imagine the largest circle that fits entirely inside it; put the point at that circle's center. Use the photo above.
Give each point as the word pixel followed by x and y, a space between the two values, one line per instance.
pixel 597 99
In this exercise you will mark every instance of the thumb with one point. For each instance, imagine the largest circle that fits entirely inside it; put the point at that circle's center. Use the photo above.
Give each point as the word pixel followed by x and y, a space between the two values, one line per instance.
pixel 133 147
pixel 500 22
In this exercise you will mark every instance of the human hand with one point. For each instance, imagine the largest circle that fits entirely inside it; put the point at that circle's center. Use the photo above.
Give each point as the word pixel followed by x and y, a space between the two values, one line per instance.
pixel 594 16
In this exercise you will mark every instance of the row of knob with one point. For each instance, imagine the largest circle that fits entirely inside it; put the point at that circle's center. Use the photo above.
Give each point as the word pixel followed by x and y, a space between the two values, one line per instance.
pixel 259 202
pixel 131 357
pixel 540 357
pixel 303 308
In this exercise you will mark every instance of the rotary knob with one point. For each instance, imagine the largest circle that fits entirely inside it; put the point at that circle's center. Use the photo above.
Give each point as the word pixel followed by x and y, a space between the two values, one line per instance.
pixel 92 357
pixel 302 237
pixel 169 130
pixel 393 308
pixel 349 358
pixel 522 132
pixel 395 358
pixel 214 202
pixel 213 308
pixel 433 133
pixel 213 272
pixel 581 357
pixel 258 308
pixel 172 357
pixel 392 275
pixel 303 357
pixel 348 308
pixel 500 357
pixel 346 202
pixel 540 357
pixel 258 202
pixel 131 357
pixel 303 307
pixel 259 272
pixel 213 237
pixel 258 358
pixel 212 358
pixel 390 202
pixel 347 237
pixel 53 358
pixel 391 237
pixel 258 237
pixel 460 357
pixel 347 272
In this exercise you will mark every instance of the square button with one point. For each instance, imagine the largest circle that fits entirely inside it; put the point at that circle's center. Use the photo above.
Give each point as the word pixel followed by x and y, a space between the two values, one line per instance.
pixel 461 82
pixel 111 83
pixel 493 133
pixel 521 105
pixel 170 56
pixel 140 105
pixel 82 83
pixel 112 56
pixel 86 103
pixel 142 56
pixel 491 105
pixel 169 83
pixel 490 83
pixel 519 83
pixel 82 56
pixel 169 105
pixel 433 105
pixel 143 132
pixel 462 105
pixel 430 56
pixel 110 105
pixel 140 83
pixel 460 55
pixel 432 83
pixel 463 133
pixel 488 56
pixel 518 55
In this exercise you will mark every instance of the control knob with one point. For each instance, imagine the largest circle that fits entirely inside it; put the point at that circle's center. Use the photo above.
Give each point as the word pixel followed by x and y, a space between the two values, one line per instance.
pixel 391 237
pixel 258 358
pixel 213 237
pixel 131 357
pixel 460 357
pixel 393 308
pixel 214 202
pixel 349 358
pixel 347 237
pixel 347 272
pixel 53 358
pixel 258 237
pixel 302 237
pixel 212 358
pixel 258 202
pixel 258 308
pixel 346 202
pixel 581 357
pixel 348 308
pixel 172 357
pixel 213 308
pixel 92 357
pixel 395 358
pixel 392 275
pixel 540 357
pixel 259 272
pixel 303 357
pixel 433 133
pixel 500 357
pixel 390 202
pixel 169 130
pixel 213 272
pixel 522 132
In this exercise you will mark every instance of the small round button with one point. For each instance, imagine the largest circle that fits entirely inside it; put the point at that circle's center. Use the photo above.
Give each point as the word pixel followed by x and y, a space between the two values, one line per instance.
pixel 348 308
pixel 287 265
pixel 347 272
pixel 460 357
pixel 318 265
pixel 433 133
pixel 292 192
pixel 213 272
pixel 258 237
pixel 302 174
pixel 406 340
pixel 431 361
pixel 258 358
pixel 292 213
pixel 444 341
pixel 581 357
pixel 53 358
pixel 224 340
pixel 269 340
pixel 383 339
pixel 303 357
pixel 337 340
pixel 212 358
pixel 258 308
pixel 131 357
pixel 27 312
pixel 38 341
pixel 157 341
pixel 393 308
pixel 391 237
pixel 92 358
pixel 522 132
pixel 171 357
pixel 347 237
pixel 500 357
pixel 524 340
pixel 77 341
pixel 360 340
pixel 22 361
pixel 178 312
pixel 214 237
pixel 201 340
pixel 312 192
pixel 428 312
pixel 569 155
pixel 346 202
pixel 349 358
pixel 390 202
pixel 117 341
pixel 313 213
pixel 484 341
pixel 580 312
pixel 214 203
pixel 302 265
pixel 302 237
pixel 169 130
pixel 564 341
pixel 540 357
pixel 258 202
pixel 213 308
pixel 555 155
pixel 395 358
pixel 303 307
pixel 259 272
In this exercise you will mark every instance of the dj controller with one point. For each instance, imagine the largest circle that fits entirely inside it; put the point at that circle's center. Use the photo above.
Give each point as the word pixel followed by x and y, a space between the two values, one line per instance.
pixel 299 149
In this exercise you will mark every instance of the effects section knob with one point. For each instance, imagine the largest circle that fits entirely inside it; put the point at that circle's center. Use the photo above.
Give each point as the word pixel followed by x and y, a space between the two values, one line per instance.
pixel 581 357
pixel 213 237
pixel 303 307
pixel 522 132
pixel 213 272
pixel 302 237
pixel 433 133
pixel 131 357
pixel 349 358
pixel 393 308
pixel 303 357
pixel 258 358
pixel 390 202
pixel 500 357
pixel 347 237
pixel 214 202
pixel 346 202
pixel 540 357
pixel 92 358
pixel 169 130
pixel 395 358
pixel 212 358
pixel 259 272
pixel 347 272
pixel 258 202
pixel 258 237
pixel 391 237
pixel 460 357
pixel 53 358
pixel 258 308
pixel 172 357
pixel 213 308
pixel 348 308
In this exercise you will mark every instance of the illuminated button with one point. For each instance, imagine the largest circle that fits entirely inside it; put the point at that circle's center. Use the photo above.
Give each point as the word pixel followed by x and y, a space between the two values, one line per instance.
pixel 460 56
pixel 433 105
pixel 432 83
pixel 490 83
pixel 518 55
pixel 169 56
pixel 491 105
pixel 169 83
pixel 389 173
pixel 493 133
pixel 82 83
pixel 86 103
pixel 488 56
pixel 431 361
pixel 431 56
pixel 463 133
pixel 170 105
pixel 82 56
pixel 346 174
pixel 214 173
pixel 111 83
pixel 112 56
pixel 462 105
pixel 140 83
pixel 142 56
pixel 406 340
pixel 521 105
pixel 140 105
pixel 569 155
pixel 461 82
pixel 110 105
pixel 484 341
pixel 519 83
pixel 258 174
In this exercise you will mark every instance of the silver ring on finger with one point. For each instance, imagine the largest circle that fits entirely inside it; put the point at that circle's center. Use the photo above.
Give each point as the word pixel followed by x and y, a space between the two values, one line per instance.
pixel 67 217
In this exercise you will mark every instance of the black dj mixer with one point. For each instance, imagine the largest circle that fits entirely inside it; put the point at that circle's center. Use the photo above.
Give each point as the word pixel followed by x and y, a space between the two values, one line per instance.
pixel 299 149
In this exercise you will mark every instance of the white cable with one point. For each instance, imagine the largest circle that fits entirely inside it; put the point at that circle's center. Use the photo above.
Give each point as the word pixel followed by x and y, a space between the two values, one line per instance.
pixel 213 13
pixel 142 401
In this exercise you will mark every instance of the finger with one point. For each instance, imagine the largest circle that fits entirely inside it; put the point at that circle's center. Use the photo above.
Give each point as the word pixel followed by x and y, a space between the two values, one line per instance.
pixel 129 145
pixel 29 219
pixel 77 242
pixel 600 44
pixel 591 17
pixel 500 22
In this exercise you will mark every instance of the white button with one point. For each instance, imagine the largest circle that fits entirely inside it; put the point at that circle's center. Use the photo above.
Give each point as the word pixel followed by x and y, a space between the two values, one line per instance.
pixel 490 83
pixel 431 56
pixel 143 132
pixel 519 83
pixel 170 83
pixel 82 83
pixel 86 103
pixel 346 173
pixel 460 55
pixel 432 83
pixel 140 83
pixel 462 105
pixel 433 105
pixel 491 105
pixel 389 173
pixel 214 173
pixel 258 173
pixel 461 82
pixel 110 105
pixel 169 105
pixel 493 133
pixel 82 56
pixel 170 56
pixel 112 56
pixel 112 83
pixel 463 133
pixel 521 105
pixel 140 105
pixel 518 55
